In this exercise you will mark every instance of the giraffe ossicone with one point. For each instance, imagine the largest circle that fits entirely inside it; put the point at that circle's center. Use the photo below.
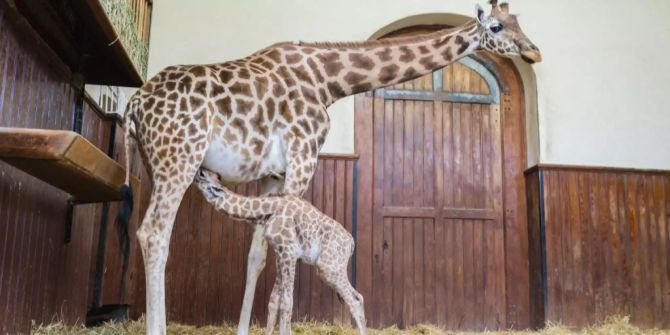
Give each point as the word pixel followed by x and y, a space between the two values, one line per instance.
pixel 263 117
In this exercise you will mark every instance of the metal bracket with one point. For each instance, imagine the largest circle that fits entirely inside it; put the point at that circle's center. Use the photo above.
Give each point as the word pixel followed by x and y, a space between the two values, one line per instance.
pixel 69 212
pixel 354 221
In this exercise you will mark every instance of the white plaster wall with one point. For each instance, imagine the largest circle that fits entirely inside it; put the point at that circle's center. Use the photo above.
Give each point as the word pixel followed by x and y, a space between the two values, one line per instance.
pixel 602 87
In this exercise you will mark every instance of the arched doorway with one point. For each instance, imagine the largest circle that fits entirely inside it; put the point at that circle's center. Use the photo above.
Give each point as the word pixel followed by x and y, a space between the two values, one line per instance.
pixel 442 227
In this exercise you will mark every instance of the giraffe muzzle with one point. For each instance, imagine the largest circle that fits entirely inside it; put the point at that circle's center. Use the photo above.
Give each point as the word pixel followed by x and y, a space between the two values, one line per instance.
pixel 531 54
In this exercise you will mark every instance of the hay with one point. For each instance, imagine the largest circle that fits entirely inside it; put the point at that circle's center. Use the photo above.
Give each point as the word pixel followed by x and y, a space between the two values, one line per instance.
pixel 122 18
pixel 612 326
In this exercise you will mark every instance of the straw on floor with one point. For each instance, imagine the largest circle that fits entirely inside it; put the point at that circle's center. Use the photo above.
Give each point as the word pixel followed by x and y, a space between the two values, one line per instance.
pixel 612 326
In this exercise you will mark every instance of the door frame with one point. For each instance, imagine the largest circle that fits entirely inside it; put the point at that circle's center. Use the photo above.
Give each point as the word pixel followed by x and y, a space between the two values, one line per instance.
pixel 514 162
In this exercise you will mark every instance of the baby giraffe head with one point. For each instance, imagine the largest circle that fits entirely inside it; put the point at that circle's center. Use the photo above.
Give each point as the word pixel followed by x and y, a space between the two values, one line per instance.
pixel 209 183
pixel 500 34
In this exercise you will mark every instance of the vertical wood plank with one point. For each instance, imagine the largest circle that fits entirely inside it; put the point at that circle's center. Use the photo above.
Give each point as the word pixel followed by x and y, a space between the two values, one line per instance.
pixel 645 284
pixel 660 198
pixel 597 201
pixel 441 298
pixel 203 259
pixel 553 245
pixel 431 178
pixel 328 208
pixel 368 249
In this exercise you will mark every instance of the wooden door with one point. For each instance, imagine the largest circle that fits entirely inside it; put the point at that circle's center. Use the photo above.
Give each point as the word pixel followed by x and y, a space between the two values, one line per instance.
pixel 438 252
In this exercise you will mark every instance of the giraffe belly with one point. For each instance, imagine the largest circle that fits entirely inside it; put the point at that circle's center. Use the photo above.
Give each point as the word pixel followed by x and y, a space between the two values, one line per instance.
pixel 311 254
pixel 274 162
pixel 231 165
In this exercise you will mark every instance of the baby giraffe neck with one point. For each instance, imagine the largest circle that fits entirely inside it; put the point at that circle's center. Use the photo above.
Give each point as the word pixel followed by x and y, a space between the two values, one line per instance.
pixel 237 206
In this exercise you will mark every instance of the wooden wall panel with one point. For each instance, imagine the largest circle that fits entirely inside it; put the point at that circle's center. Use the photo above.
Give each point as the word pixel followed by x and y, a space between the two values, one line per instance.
pixel 206 269
pixel 605 244
pixel 536 250
pixel 31 240
pixel 41 276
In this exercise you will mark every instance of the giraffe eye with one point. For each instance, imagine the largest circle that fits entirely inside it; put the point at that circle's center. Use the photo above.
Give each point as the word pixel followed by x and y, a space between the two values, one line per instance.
pixel 497 28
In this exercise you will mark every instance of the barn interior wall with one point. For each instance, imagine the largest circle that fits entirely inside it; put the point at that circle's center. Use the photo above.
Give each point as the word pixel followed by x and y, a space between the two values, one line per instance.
pixel 43 277
pixel 599 90
pixel 32 251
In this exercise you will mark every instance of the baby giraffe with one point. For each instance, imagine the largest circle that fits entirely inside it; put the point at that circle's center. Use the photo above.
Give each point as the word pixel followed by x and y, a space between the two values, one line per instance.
pixel 295 230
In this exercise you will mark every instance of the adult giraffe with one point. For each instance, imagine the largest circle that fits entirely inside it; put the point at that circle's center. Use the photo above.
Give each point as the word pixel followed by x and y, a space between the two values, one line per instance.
pixel 264 118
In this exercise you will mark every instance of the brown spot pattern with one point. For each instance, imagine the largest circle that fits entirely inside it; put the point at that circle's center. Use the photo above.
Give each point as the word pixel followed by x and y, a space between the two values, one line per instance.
pixel 293 58
pixel 354 78
pixel 384 55
pixel 388 73
pixel 428 63
pixel 361 61
pixel 407 55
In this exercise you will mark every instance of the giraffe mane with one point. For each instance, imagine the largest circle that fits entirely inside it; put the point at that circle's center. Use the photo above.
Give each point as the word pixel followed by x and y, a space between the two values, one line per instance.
pixel 384 42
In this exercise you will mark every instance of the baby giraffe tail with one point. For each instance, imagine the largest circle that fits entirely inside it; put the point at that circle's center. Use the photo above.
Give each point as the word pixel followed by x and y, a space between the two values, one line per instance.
pixel 235 205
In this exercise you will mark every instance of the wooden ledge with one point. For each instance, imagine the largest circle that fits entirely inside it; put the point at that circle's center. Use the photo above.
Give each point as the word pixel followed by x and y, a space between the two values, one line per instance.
pixel 65 160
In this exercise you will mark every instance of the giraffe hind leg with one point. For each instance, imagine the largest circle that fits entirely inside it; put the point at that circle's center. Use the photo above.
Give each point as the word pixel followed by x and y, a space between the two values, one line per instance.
pixel 172 152
pixel 169 186
pixel 255 260
pixel 338 280
pixel 154 239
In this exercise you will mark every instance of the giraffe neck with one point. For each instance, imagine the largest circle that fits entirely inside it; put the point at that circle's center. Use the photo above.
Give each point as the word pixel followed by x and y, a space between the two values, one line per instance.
pixel 350 68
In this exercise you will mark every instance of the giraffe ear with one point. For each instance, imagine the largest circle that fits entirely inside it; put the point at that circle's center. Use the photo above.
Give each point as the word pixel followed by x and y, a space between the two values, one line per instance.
pixel 480 13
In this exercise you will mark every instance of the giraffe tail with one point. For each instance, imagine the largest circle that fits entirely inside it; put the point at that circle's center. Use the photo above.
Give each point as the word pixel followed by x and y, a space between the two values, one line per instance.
pixel 126 209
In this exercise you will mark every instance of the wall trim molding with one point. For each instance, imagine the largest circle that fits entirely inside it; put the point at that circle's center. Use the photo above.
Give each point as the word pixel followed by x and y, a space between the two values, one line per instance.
pixel 593 168
pixel 339 156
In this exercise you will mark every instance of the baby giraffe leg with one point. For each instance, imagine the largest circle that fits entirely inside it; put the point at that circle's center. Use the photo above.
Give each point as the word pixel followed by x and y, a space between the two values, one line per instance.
pixel 338 280
pixel 273 305
pixel 287 267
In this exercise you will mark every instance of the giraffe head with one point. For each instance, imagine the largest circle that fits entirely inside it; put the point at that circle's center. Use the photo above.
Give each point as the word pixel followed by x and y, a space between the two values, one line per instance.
pixel 500 34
